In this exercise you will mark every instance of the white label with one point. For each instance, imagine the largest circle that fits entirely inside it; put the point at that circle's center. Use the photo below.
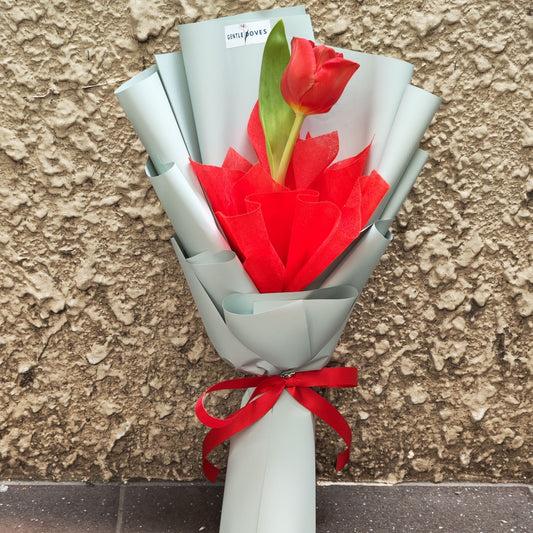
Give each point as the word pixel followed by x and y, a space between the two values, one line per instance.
pixel 244 34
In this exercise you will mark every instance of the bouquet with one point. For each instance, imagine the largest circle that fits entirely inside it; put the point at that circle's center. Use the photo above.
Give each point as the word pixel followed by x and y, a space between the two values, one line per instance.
pixel 281 173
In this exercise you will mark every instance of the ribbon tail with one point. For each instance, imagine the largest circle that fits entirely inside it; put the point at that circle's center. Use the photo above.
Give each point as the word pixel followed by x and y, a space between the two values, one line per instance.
pixel 235 423
pixel 329 414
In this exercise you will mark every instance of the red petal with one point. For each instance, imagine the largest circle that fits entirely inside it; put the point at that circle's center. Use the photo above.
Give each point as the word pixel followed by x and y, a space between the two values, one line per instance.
pixel 299 75
pixel 324 53
pixel 330 82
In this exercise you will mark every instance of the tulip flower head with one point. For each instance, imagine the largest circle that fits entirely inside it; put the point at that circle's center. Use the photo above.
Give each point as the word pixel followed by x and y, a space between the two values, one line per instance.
pixel 315 77
pixel 312 82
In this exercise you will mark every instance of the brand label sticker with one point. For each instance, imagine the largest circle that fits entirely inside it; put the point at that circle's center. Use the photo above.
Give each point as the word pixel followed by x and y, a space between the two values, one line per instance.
pixel 245 34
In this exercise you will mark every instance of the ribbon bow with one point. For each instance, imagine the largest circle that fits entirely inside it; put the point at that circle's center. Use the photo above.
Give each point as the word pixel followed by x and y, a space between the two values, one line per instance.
pixel 267 391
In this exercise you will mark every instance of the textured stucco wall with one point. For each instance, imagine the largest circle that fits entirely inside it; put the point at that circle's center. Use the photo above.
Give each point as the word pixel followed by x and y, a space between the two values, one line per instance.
pixel 102 353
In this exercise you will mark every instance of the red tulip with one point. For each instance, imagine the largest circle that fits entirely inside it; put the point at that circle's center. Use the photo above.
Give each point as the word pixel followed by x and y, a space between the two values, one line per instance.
pixel 315 77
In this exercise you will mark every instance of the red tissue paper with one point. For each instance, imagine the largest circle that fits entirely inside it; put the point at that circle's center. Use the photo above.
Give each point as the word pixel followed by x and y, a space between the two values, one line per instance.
pixel 287 235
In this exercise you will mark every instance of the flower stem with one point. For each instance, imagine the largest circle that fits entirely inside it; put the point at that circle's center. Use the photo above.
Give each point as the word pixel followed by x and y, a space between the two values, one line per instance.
pixel 289 147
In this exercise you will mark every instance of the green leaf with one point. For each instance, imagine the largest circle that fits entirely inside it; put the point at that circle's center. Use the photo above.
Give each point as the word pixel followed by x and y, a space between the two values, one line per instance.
pixel 276 116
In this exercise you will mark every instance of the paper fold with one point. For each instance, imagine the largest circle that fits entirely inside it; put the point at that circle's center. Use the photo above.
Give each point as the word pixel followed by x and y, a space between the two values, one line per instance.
pixel 172 73
pixel 264 333
pixel 188 213
pixel 289 330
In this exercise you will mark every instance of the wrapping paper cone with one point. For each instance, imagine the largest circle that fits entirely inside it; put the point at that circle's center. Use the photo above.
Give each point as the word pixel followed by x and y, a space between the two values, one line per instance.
pixel 145 101
pixel 198 102
pixel 270 480
pixel 416 111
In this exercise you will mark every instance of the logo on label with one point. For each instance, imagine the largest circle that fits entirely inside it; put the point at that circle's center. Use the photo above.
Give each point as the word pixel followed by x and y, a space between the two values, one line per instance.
pixel 245 34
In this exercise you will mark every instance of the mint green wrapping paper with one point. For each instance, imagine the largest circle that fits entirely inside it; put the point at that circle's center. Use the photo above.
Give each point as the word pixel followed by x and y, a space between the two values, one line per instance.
pixel 171 70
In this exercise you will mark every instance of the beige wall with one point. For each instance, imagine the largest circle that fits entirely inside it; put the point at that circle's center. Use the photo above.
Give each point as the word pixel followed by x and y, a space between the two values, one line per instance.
pixel 102 353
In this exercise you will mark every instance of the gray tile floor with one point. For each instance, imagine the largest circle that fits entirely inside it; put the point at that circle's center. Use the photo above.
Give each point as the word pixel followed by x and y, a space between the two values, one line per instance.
pixel 161 507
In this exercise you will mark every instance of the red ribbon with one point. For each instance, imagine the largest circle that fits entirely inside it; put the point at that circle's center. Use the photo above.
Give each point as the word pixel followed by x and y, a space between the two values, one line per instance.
pixel 267 391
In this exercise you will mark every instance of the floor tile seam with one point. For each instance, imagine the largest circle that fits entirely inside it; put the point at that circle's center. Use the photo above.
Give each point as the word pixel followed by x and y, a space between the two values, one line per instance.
pixel 120 510
pixel 15 483
pixel 424 484
pixel 183 484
